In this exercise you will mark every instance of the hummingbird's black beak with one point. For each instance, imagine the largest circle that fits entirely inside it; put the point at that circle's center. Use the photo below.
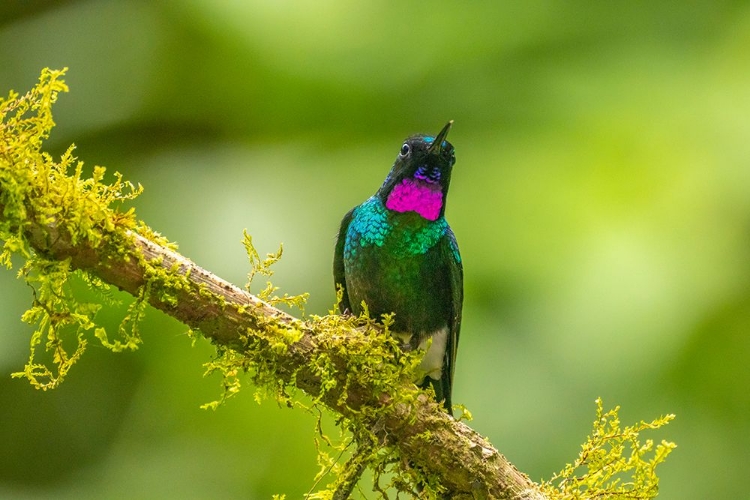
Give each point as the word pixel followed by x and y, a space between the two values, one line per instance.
pixel 437 144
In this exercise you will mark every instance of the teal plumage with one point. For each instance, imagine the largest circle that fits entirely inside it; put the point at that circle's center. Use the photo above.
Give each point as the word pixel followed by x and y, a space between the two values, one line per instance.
pixel 407 234
pixel 397 253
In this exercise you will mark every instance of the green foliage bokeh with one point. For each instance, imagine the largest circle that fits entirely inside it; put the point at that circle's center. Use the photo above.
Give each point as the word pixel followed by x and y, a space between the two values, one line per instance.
pixel 601 199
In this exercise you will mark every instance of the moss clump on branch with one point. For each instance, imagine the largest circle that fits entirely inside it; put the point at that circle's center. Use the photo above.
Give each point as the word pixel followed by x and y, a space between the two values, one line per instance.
pixel 37 190
pixel 613 463
pixel 64 225
pixel 373 358
pixel 50 210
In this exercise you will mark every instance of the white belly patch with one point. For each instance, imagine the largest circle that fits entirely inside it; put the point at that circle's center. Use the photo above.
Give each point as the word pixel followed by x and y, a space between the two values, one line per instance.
pixel 432 363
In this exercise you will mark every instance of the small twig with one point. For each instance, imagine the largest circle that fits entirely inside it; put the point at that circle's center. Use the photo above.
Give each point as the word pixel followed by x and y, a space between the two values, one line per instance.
pixel 353 471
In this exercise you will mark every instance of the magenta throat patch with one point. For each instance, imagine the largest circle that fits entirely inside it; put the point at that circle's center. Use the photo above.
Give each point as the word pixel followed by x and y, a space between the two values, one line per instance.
pixel 416 196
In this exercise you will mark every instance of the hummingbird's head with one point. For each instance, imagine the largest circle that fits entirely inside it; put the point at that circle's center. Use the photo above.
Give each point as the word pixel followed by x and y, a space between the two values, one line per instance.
pixel 419 179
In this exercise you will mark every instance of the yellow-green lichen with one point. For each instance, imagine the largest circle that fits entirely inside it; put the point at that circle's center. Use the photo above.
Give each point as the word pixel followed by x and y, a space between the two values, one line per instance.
pixel 614 462
pixel 374 360
pixel 128 330
pixel 261 348
pixel 60 323
pixel 367 356
pixel 263 267
pixel 36 190
pixel 49 201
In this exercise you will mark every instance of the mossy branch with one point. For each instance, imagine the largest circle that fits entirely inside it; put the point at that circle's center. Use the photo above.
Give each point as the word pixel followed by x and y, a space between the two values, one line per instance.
pixel 424 434
pixel 61 223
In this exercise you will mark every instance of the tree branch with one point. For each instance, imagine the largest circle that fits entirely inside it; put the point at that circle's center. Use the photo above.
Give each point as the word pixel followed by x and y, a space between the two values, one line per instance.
pixel 468 465
pixel 59 221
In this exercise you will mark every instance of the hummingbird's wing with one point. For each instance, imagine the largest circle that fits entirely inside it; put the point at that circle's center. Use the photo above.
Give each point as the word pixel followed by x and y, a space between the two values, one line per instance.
pixel 449 249
pixel 339 274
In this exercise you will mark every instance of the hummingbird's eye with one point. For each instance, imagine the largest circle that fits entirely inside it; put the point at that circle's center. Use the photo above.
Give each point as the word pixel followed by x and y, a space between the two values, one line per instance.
pixel 405 150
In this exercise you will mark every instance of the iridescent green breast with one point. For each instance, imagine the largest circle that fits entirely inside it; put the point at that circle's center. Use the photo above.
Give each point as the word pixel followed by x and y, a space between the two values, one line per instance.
pixel 401 234
pixel 391 260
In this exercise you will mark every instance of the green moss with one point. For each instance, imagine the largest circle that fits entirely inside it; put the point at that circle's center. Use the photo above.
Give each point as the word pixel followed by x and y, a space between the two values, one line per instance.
pixel 376 361
pixel 34 188
pixel 259 359
pixel 37 190
pixel 614 463
pixel 373 360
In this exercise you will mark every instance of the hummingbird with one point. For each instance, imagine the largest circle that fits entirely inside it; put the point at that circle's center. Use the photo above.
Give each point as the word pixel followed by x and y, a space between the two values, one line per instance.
pixel 397 254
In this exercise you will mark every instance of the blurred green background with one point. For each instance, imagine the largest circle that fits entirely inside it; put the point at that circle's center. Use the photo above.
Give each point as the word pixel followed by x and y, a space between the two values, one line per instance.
pixel 601 199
